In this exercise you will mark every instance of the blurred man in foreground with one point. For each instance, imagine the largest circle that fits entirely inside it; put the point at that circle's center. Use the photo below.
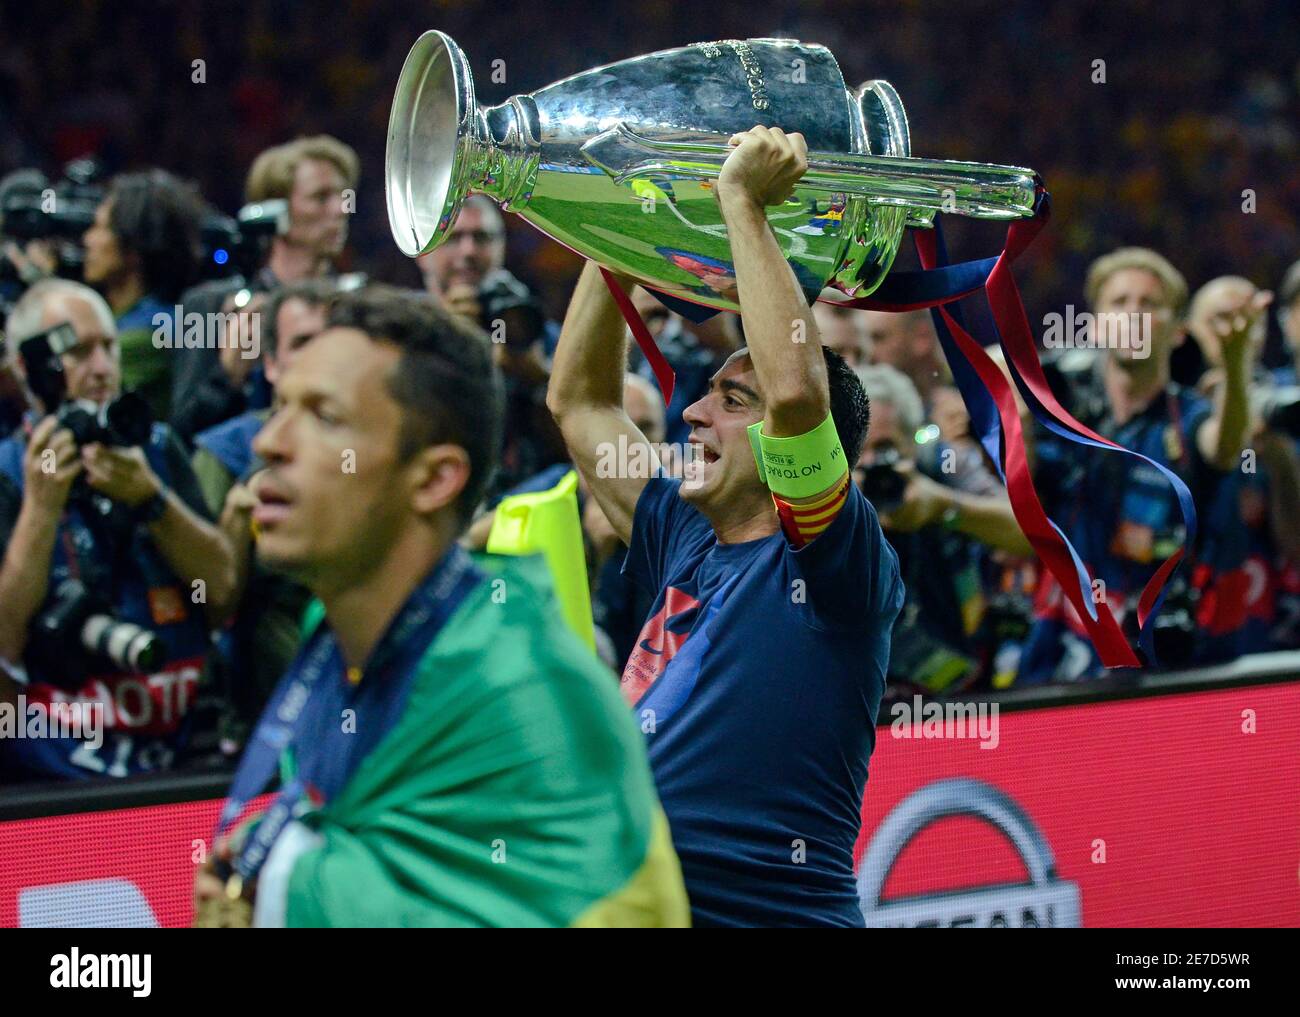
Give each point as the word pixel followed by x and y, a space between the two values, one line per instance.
pixel 450 752
pixel 264 613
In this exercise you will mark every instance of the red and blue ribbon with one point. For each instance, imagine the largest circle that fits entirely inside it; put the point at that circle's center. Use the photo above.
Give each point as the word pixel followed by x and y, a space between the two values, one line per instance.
pixel 965 332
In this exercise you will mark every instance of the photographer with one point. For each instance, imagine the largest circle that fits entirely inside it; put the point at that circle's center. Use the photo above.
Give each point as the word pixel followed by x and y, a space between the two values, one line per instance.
pixel 1250 536
pixel 141 253
pixel 265 609
pixel 906 341
pixel 311 174
pixel 941 638
pixel 466 275
pixel 1288 317
pixel 42 223
pixel 103 531
pixel 1120 514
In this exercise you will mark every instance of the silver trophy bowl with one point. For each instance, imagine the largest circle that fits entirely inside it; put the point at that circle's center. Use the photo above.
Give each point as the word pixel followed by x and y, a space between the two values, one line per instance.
pixel 618 163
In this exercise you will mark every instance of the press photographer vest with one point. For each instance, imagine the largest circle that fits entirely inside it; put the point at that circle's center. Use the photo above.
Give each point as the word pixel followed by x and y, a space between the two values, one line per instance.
pixel 143 714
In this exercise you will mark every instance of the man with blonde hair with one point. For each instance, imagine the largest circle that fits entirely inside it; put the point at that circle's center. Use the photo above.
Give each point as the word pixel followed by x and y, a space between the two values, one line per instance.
pixel 314 175
pixel 317 176
pixel 1121 515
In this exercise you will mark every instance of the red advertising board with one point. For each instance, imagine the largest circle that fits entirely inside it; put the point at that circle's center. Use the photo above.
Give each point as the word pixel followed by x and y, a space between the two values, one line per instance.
pixel 1171 810
pixel 121 867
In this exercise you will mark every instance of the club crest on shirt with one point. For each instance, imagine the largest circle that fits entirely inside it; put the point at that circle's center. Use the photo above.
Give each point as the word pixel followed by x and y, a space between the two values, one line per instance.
pixel 661 637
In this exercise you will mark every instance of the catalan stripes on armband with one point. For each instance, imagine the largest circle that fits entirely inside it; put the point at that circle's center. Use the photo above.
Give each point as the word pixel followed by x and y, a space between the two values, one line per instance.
pixel 808 476
pixel 801 523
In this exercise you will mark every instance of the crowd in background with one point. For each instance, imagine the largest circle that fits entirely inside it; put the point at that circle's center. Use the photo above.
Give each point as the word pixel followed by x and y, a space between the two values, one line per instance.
pixel 1192 105
pixel 1158 154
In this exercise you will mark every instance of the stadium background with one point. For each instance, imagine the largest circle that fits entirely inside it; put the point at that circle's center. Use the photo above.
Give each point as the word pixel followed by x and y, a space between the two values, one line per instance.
pixel 1200 103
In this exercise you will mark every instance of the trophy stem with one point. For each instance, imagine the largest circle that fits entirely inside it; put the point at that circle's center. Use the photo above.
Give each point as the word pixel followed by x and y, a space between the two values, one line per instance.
pixel 504 152
pixel 977 190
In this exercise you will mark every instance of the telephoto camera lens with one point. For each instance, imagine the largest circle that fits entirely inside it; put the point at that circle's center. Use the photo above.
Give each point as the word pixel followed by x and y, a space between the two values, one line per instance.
pixel 128 646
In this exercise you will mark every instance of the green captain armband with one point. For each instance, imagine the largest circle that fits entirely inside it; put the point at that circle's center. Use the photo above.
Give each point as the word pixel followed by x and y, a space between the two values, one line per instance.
pixel 801 466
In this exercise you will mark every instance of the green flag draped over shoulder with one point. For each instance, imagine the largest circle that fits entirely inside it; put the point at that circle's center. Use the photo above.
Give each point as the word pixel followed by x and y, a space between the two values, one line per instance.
pixel 514 790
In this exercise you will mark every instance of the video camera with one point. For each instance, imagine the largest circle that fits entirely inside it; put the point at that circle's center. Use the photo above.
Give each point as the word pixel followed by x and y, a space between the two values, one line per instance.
pixel 237 246
pixel 504 298
pixel 32 209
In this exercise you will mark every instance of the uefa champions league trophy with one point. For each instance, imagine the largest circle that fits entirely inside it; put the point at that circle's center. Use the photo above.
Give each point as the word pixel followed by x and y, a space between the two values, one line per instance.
pixel 618 163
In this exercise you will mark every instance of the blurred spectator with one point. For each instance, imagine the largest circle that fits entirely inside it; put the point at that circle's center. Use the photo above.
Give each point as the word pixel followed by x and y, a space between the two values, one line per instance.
pixel 129 526
pixel 1121 515
pixel 970 468
pixel 1210 315
pixel 906 342
pixel 264 610
pixel 29 260
pixel 845 331
pixel 311 174
pixel 1250 533
pixel 937 531
pixel 466 274
pixel 290 315
pixel 693 362
pixel 141 254
pixel 475 247
pixel 1288 316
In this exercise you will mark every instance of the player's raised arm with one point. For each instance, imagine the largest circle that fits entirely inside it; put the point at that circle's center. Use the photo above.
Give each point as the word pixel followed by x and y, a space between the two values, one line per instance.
pixel 784 342
pixel 585 395
pixel 802 458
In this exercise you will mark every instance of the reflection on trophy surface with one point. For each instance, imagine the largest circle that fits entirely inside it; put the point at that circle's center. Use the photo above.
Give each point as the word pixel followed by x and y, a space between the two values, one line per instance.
pixel 618 163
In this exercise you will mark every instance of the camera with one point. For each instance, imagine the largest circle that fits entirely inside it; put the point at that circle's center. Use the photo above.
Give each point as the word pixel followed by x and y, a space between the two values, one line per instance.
pixel 74 636
pixel 1279 408
pixel 32 209
pixel 504 298
pixel 237 246
pixel 124 422
pixel 881 482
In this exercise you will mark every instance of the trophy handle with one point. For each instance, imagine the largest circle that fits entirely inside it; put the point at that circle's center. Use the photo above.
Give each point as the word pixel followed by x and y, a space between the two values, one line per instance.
pixel 974 189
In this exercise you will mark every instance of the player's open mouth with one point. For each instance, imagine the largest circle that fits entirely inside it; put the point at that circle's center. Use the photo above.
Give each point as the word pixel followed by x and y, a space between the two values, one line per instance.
pixel 702 452
pixel 272 506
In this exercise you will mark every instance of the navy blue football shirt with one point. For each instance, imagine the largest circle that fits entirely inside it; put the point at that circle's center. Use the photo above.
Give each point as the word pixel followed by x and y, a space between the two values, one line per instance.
pixel 757 679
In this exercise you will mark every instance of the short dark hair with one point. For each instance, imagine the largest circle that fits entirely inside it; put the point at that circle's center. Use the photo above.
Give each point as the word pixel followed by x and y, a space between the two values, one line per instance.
pixel 312 292
pixel 850 408
pixel 445 381
pixel 157 217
